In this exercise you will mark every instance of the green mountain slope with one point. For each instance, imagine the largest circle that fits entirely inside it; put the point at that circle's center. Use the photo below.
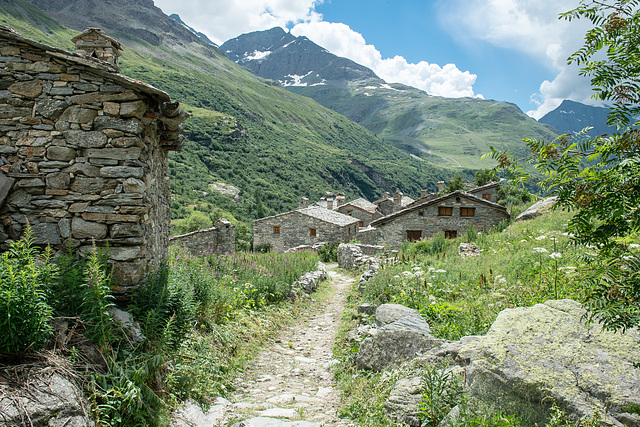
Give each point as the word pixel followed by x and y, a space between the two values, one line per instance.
pixel 273 145
pixel 439 130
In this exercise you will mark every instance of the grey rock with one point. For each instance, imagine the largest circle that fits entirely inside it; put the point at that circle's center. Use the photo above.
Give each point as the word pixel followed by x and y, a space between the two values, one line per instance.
pixel 402 405
pixel 6 149
pixel 85 139
pixel 389 313
pixel 124 253
pixel 81 229
pixel 120 230
pixel 367 308
pixel 536 356
pixel 129 324
pixel 131 153
pixel 76 114
pixel 64 225
pixel 19 199
pixel 51 108
pixel 537 209
pixel 5 186
pixel 192 415
pixel 390 347
pixel 58 180
pixel 128 274
pixel 91 185
pixel 133 126
pixel 46 234
pixel 133 109
pixel 50 400
pixel 413 322
pixel 133 185
pixel 121 172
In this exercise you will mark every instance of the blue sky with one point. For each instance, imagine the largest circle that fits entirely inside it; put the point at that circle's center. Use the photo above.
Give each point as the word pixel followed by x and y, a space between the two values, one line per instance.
pixel 509 50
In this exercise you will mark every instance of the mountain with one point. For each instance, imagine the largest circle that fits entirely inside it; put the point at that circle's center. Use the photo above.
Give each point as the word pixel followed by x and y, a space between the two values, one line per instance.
pixel 203 36
pixel 572 117
pixel 245 131
pixel 275 54
pixel 454 132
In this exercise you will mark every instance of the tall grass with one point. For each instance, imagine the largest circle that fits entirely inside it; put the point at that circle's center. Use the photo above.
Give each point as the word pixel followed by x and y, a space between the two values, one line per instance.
pixel 527 263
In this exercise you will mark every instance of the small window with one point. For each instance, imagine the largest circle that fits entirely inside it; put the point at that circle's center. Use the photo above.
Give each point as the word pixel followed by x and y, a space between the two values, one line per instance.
pixel 445 211
pixel 276 229
pixel 313 232
pixel 349 211
pixel 361 224
pixel 349 231
pixel 486 197
pixel 450 234
pixel 414 235
pixel 467 211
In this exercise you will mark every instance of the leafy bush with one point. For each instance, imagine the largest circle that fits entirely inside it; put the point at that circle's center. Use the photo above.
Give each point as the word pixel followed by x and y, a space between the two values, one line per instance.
pixel 26 277
pixel 442 390
pixel 434 245
pixel 328 252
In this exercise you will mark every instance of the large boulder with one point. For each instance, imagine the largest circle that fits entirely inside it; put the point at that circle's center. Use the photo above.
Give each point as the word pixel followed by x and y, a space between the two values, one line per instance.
pixel 537 209
pixel 403 334
pixel 535 357
pixel 45 399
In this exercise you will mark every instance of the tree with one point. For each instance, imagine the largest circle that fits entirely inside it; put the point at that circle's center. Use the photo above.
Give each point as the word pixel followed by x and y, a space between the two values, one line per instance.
pixel 598 178
pixel 456 183
pixel 485 176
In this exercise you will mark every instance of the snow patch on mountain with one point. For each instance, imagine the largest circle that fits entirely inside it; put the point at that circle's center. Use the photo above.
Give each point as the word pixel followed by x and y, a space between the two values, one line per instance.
pixel 295 80
pixel 256 55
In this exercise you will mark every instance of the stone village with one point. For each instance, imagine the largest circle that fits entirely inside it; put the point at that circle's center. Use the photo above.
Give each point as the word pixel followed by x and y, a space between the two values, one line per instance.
pixel 84 161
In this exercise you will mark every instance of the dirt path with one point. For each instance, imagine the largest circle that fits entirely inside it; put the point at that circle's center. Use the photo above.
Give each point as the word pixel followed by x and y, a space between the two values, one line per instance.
pixel 291 384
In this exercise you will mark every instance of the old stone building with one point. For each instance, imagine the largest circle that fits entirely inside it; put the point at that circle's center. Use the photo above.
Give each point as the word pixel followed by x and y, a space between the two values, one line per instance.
pixel 390 204
pixel 83 153
pixel 451 214
pixel 306 225
pixel 362 209
pixel 487 192
pixel 221 238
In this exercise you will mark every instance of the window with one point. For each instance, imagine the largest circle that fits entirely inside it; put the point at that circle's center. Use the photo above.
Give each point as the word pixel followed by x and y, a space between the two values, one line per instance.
pixel 313 232
pixel 349 231
pixel 349 211
pixel 450 234
pixel 414 235
pixel 445 211
pixel 276 229
pixel 467 211
pixel 486 197
pixel 361 224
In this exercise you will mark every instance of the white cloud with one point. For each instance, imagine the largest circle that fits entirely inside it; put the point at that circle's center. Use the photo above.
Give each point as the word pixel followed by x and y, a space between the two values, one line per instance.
pixel 533 28
pixel 222 20
pixel 341 40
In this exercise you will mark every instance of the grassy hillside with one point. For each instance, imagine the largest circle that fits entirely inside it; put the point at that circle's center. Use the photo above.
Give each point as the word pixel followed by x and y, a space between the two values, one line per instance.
pixel 273 145
pixel 443 131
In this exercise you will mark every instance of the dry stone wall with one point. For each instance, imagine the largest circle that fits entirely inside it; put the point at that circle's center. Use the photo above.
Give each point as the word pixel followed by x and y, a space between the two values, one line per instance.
pixel 218 239
pixel 82 156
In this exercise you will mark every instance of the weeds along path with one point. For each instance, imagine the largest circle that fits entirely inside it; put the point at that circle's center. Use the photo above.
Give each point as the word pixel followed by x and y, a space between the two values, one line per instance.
pixel 291 383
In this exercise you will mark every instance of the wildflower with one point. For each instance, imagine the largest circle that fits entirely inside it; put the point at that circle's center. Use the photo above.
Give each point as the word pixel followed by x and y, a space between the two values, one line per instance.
pixel 396 277
pixel 418 273
pixel 540 250
pixel 440 271
pixel 541 237
pixel 634 246
pixel 556 255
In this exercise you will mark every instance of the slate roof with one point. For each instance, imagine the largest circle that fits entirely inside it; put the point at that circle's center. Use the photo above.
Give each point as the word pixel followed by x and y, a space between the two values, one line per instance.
pixel 406 200
pixel 327 215
pixel 484 187
pixel 362 204
pixel 435 201
pixel 101 68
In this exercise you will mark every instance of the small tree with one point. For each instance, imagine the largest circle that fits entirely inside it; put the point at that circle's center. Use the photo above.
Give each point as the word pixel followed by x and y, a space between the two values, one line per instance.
pixel 485 176
pixel 598 178
pixel 456 183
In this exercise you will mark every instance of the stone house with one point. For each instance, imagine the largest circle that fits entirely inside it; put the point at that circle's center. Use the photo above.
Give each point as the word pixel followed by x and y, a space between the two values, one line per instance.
pixel 362 209
pixel 221 238
pixel 451 214
pixel 306 225
pixel 487 192
pixel 83 153
pixel 390 204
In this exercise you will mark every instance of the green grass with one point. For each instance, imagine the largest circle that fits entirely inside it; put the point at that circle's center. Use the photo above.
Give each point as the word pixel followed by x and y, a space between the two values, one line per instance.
pixel 458 297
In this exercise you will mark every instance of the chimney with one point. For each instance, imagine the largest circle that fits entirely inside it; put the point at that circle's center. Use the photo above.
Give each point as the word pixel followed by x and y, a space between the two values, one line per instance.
pixel 304 203
pixel 424 193
pixel 397 201
pixel 386 195
pixel 440 186
pixel 94 43
pixel 330 204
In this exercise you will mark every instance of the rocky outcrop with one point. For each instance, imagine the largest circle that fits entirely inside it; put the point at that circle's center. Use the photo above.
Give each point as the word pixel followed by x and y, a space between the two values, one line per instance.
pixel 534 357
pixel 403 402
pixel 309 282
pixel 353 255
pixel 537 209
pixel 402 334
pixel 44 399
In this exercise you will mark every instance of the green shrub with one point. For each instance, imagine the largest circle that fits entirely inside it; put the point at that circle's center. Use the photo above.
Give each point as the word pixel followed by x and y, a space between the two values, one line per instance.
pixel 328 252
pixel 442 390
pixel 97 298
pixel 434 245
pixel 25 279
